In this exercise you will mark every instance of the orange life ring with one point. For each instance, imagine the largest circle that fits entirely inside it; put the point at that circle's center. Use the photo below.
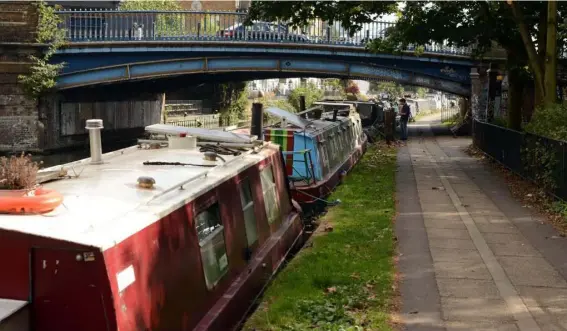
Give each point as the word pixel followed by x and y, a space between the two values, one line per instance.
pixel 40 201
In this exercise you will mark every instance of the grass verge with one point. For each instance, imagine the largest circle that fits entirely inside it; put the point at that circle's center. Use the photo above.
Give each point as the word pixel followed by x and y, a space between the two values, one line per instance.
pixel 344 278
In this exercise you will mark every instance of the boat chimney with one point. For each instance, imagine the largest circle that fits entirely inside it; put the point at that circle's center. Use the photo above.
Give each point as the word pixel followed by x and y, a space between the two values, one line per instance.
pixel 94 126
pixel 335 112
pixel 257 124
pixel 302 106
pixel 317 113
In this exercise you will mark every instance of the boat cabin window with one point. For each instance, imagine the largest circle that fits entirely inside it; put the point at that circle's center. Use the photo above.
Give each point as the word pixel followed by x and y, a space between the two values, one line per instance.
pixel 269 193
pixel 211 240
pixel 248 211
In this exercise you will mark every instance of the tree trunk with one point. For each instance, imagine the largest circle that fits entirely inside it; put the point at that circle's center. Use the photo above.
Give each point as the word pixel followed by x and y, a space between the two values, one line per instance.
pixel 515 94
pixel 541 48
pixel 551 54
pixel 529 45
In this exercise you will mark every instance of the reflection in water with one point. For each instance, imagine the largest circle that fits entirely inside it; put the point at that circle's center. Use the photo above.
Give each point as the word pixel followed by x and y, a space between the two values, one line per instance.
pixel 77 154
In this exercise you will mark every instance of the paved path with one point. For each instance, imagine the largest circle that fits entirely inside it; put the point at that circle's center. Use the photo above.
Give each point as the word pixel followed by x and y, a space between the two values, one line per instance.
pixel 472 258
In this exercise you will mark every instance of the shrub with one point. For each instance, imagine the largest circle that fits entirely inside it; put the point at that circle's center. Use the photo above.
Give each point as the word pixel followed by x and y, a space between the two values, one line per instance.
pixel 18 172
pixel 549 122
pixel 311 93
pixel 500 121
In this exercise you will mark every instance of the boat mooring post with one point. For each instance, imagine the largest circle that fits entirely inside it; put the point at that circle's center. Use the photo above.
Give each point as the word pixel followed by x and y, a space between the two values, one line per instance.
pixel 257 124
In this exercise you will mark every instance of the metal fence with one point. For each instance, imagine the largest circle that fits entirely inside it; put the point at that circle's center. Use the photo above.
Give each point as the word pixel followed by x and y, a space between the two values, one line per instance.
pixel 537 158
pixel 116 25
pixel 201 121
pixel 449 113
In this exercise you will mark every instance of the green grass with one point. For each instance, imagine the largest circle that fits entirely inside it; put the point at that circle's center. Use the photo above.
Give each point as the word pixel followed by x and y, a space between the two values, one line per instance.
pixel 453 120
pixel 422 114
pixel 344 280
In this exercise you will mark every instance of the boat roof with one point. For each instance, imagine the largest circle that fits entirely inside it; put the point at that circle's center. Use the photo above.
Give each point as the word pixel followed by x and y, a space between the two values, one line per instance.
pixel 103 205
pixel 330 103
pixel 289 117
pixel 309 127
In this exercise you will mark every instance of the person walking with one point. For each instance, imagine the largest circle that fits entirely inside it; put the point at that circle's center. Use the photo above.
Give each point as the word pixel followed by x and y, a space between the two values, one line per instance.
pixel 405 114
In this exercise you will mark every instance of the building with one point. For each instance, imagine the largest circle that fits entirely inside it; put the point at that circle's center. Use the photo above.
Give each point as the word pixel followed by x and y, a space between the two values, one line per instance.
pixel 207 5
pixel 222 5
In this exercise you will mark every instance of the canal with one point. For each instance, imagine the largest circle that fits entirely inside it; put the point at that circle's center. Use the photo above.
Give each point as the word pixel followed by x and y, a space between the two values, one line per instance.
pixel 75 154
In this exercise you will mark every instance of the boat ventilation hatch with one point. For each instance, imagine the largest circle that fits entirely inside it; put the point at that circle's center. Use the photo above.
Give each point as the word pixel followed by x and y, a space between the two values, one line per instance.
pixel 95 126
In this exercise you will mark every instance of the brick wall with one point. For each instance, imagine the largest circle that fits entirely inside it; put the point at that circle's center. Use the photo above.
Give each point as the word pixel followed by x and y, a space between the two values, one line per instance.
pixel 18 21
pixel 19 124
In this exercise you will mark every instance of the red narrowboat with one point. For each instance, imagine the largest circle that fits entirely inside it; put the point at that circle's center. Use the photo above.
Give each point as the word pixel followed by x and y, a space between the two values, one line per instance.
pixel 183 237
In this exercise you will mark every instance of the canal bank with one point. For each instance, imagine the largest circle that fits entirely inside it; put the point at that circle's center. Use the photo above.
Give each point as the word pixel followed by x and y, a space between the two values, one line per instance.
pixel 344 275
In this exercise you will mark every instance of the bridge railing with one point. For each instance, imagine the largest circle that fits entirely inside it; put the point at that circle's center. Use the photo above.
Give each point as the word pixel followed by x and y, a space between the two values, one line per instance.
pixel 116 25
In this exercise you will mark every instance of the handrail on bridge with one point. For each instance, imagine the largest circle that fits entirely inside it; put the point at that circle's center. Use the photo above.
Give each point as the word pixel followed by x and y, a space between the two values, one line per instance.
pixel 100 25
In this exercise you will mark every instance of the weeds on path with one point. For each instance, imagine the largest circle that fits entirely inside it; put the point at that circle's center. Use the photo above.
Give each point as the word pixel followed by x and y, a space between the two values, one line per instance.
pixel 343 279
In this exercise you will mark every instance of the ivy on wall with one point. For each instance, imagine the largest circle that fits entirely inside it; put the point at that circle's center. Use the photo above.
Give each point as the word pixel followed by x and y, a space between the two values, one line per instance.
pixel 43 74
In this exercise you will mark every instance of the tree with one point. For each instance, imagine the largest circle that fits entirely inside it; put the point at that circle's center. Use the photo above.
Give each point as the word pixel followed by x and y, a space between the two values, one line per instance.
pixel 164 24
pixel 421 92
pixel 482 24
pixel 394 90
pixel 352 88
pixel 310 92
pixel 351 15
pixel 543 67
pixel 42 76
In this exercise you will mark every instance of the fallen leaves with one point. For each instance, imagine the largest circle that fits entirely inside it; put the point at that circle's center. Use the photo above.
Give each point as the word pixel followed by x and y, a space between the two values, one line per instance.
pixel 527 193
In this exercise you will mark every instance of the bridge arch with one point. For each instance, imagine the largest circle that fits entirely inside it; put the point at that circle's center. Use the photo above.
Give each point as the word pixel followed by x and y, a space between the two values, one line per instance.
pixel 263 66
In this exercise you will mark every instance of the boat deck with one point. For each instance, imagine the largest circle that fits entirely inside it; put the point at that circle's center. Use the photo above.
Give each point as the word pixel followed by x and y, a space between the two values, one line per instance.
pixel 103 204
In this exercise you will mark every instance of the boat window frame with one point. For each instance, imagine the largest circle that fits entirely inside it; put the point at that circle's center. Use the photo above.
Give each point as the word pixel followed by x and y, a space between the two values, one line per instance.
pixel 274 186
pixel 251 205
pixel 204 243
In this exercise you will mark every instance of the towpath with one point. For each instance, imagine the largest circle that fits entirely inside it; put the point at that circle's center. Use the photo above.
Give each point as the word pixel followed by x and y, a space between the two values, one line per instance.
pixel 471 257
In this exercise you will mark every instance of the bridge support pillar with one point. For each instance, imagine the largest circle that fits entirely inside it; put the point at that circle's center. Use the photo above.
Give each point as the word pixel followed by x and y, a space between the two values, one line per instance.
pixel 476 91
pixel 494 93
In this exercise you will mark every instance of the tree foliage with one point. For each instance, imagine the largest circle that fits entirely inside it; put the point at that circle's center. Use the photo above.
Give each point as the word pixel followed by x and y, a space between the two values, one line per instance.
pixel 149 5
pixel 549 122
pixel 352 15
pixel 352 88
pixel 172 24
pixel 311 93
pixel 43 74
pixel 421 92
pixel 481 25
pixel 394 90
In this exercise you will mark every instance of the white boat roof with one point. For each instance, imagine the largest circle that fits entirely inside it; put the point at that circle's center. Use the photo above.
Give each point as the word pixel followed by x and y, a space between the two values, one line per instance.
pixel 206 134
pixel 289 117
pixel 103 206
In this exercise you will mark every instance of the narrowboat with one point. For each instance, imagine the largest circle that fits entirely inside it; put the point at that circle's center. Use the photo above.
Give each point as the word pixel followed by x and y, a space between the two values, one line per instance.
pixel 151 237
pixel 318 151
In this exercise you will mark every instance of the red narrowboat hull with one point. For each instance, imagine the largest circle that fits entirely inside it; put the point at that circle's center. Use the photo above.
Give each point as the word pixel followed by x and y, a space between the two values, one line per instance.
pixel 309 194
pixel 231 309
pixel 155 279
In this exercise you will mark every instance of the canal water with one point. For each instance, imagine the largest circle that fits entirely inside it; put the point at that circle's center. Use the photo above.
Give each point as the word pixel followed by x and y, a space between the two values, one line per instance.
pixel 53 159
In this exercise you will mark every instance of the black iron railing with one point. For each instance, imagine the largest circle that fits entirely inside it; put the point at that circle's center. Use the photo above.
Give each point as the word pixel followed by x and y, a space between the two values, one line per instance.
pixel 537 158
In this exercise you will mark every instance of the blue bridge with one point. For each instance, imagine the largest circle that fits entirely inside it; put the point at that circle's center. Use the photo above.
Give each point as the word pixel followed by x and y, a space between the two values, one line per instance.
pixel 110 47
